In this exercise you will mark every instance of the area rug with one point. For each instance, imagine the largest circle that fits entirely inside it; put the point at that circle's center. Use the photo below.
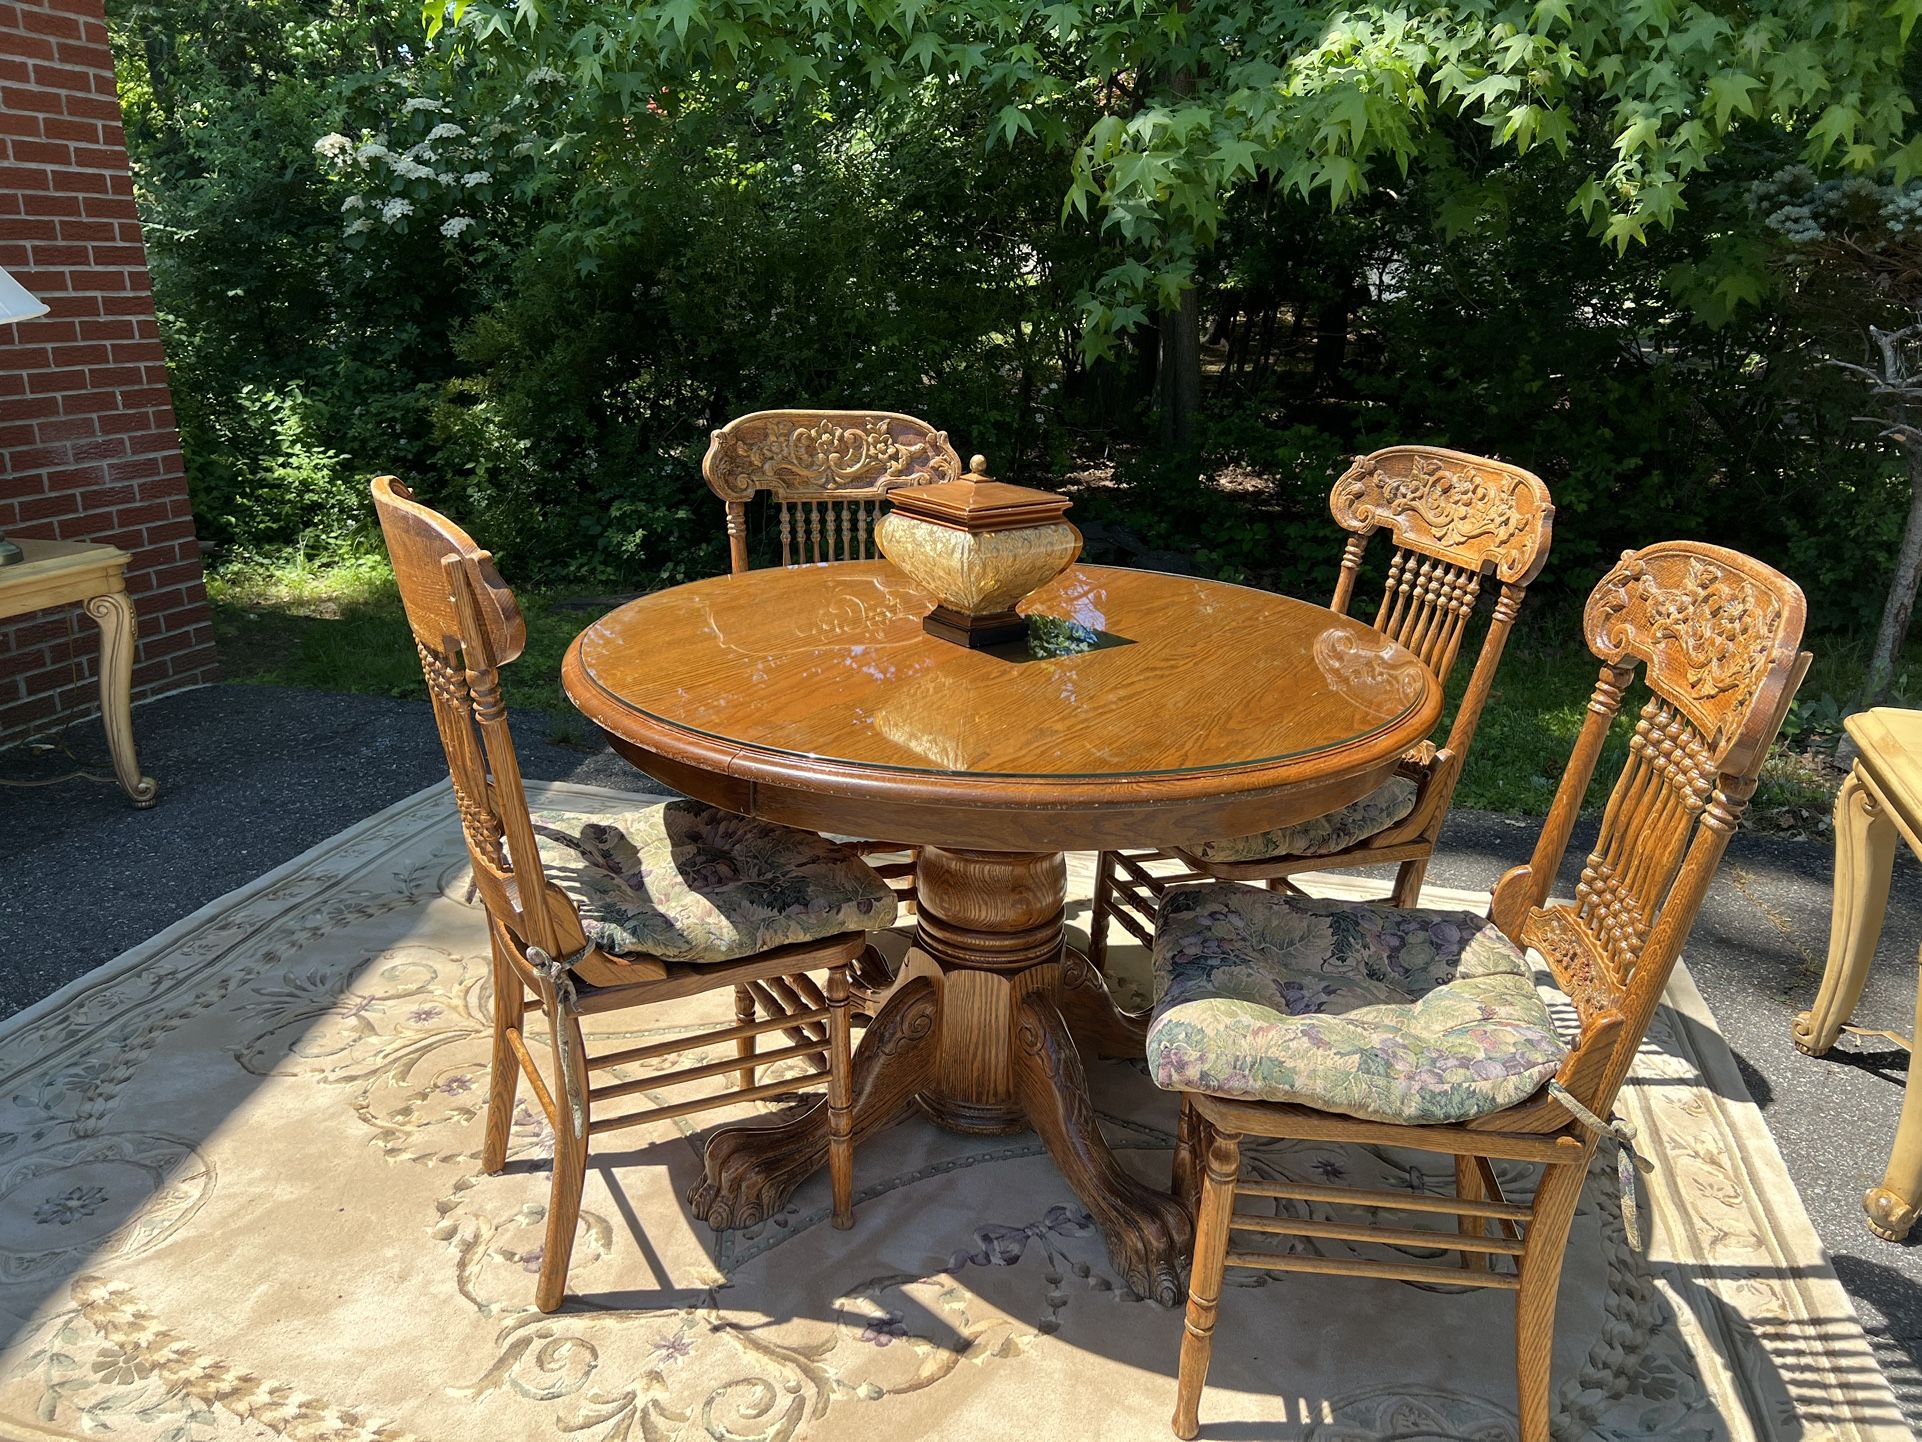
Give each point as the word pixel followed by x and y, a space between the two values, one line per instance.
pixel 240 1199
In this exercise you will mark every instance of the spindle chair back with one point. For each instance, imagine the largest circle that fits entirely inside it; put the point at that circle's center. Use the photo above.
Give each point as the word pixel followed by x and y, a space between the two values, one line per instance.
pixel 1715 636
pixel 466 625
pixel 825 473
pixel 1454 523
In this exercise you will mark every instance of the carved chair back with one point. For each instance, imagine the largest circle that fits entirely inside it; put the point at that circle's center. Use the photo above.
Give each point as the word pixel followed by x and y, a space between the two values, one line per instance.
pixel 825 472
pixel 1716 635
pixel 1453 519
pixel 466 626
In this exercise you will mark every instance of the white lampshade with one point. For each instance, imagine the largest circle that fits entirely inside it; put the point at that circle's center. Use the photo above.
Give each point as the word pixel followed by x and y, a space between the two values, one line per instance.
pixel 17 302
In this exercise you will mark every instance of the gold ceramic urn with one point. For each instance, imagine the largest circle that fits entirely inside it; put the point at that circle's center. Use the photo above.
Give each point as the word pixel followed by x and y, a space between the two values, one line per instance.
pixel 978 546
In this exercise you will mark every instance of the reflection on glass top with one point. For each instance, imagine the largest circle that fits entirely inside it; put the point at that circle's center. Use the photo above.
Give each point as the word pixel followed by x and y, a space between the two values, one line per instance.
pixel 1122 673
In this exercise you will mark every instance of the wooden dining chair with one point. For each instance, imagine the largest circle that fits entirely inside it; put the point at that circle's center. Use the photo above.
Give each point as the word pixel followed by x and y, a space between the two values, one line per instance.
pixel 1268 1001
pixel 825 474
pixel 590 914
pixel 1454 521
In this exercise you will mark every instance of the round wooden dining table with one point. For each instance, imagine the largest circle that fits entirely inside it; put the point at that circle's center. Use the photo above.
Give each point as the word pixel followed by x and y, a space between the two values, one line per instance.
pixel 1144 710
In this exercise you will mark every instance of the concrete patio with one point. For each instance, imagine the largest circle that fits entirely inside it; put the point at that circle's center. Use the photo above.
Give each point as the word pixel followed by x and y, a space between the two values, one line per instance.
pixel 252 776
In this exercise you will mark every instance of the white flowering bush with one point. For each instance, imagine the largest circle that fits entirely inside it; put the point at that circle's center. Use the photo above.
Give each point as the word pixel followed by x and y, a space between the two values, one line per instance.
pixel 418 165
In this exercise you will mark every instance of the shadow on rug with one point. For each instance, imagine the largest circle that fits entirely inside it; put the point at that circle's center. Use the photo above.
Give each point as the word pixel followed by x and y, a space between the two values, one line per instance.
pixel 239 1198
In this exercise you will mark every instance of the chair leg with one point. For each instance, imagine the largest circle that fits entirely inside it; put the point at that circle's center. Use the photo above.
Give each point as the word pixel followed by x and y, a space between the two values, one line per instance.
pixel 840 1098
pixel 1204 1279
pixel 1468 1186
pixel 504 1070
pixel 1408 880
pixel 1190 1130
pixel 744 1046
pixel 1098 916
pixel 1541 1268
pixel 570 1152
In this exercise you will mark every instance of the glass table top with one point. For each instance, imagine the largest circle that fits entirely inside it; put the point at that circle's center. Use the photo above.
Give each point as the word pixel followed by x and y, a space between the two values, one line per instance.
pixel 1124 674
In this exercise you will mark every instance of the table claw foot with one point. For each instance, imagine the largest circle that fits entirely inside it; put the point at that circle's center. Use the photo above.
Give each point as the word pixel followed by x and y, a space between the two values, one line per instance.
pixel 1890 1216
pixel 749 1171
pixel 752 1168
pixel 1150 1245
pixel 1150 1235
pixel 1097 1024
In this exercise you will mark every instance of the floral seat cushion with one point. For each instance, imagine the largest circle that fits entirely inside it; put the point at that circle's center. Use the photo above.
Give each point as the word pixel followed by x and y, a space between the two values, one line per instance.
pixel 683 881
pixel 1373 1011
pixel 1380 809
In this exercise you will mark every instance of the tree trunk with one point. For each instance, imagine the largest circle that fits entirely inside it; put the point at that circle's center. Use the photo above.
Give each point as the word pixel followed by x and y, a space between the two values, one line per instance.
pixel 1331 341
pixel 1894 630
pixel 1179 375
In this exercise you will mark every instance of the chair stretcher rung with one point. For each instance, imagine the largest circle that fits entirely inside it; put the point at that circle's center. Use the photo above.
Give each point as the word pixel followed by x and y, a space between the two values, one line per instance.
pixel 1363 1232
pixel 775 997
pixel 1140 874
pixel 706 1069
pixel 1394 1201
pixel 1134 928
pixel 702 1104
pixel 533 1075
pixel 1388 1271
pixel 706 1038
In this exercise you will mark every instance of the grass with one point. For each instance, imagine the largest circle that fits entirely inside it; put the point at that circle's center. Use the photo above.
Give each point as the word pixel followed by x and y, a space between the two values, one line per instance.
pixel 338 626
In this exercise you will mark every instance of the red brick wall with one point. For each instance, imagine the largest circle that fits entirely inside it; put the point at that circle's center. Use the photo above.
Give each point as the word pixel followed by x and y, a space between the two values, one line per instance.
pixel 88 450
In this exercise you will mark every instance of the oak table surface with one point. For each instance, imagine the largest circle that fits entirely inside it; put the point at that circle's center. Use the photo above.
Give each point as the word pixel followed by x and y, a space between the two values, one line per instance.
pixel 811 695
pixel 1146 709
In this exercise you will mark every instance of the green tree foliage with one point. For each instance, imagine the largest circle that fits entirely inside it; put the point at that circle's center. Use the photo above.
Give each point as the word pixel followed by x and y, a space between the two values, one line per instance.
pixel 530 264
pixel 1172 109
pixel 288 352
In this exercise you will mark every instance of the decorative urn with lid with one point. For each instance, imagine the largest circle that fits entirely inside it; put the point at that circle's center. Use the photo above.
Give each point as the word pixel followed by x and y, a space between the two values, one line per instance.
pixel 978 546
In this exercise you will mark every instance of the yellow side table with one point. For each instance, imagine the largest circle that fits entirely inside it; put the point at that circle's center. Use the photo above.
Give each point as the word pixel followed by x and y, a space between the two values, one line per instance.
pixel 60 573
pixel 1880 801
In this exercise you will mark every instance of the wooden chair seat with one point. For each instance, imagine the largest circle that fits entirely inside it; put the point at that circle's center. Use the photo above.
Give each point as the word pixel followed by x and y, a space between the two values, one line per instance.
pixel 1392 1015
pixel 687 882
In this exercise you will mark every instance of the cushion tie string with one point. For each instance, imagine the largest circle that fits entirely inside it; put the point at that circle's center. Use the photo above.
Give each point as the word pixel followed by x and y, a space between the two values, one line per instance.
pixel 559 975
pixel 1627 1160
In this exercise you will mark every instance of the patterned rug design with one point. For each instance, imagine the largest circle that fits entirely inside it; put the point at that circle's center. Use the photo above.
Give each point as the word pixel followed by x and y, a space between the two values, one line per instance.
pixel 239 1199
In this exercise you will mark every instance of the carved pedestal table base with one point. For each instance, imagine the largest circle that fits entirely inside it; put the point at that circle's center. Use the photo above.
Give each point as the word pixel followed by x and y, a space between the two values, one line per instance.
pixel 980 1034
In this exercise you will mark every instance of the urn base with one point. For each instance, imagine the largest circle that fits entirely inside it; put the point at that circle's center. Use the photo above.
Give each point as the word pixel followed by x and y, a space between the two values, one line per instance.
pixel 977 633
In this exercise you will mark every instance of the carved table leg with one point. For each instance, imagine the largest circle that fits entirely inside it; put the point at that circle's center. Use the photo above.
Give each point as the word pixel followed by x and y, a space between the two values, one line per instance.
pixel 115 614
pixel 1150 1233
pixel 1864 858
pixel 1892 1206
pixel 752 1168
pixel 1100 1028
pixel 988 931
